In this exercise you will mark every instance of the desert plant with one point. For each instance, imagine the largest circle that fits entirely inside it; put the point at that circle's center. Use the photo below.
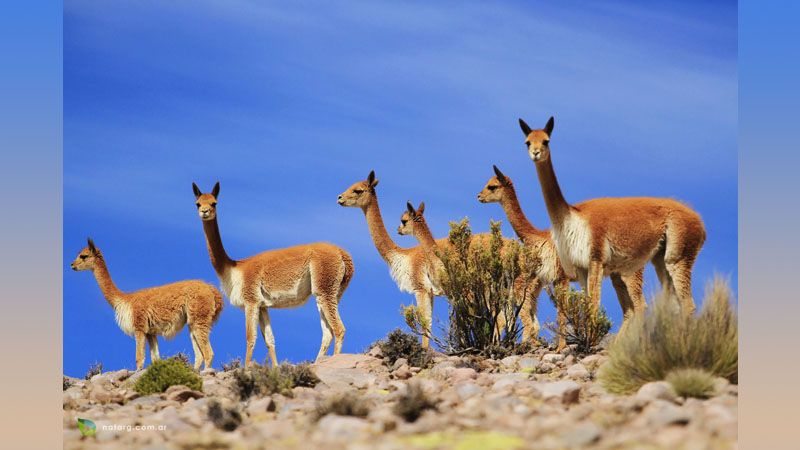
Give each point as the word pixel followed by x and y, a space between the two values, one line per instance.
pixel 399 344
pixel 224 418
pixel 165 373
pixel 67 382
pixel 665 339
pixel 261 380
pixel 343 404
pixel 585 326
pixel 94 369
pixel 413 402
pixel 484 283
pixel 233 364
pixel 182 357
pixel 299 374
pixel 691 382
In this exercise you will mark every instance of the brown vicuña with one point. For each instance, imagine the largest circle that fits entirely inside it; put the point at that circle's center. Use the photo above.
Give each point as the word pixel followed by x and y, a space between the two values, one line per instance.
pixel 617 236
pixel 412 222
pixel 281 278
pixel 161 310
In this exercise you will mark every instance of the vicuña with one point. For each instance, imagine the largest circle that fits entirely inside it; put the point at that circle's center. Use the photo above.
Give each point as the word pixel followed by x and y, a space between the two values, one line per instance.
pixel 617 236
pixel 280 278
pixel 161 310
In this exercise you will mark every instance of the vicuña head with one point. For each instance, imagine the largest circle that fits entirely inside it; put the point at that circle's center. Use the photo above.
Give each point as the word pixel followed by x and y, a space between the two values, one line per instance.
pixel 359 194
pixel 495 188
pixel 86 258
pixel 409 218
pixel 206 203
pixel 538 141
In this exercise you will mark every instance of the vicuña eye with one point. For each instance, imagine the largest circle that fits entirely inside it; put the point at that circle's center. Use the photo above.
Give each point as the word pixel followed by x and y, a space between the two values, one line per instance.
pixel 84 256
pixel 198 204
pixel 214 205
pixel 546 142
pixel 404 221
pixel 358 191
pixel 527 143
pixel 491 188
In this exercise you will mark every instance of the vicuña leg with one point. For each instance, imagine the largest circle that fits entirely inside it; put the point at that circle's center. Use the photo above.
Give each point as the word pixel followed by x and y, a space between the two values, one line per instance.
pixel 327 333
pixel 562 294
pixel 330 308
pixel 198 354
pixel 266 331
pixel 200 334
pixel 527 314
pixel 595 282
pixel 681 274
pixel 635 282
pixel 251 318
pixel 141 339
pixel 425 310
pixel 625 301
pixel 152 341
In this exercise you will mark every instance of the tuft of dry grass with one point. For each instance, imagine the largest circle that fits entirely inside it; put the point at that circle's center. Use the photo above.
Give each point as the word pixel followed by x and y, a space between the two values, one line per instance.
pixel 696 383
pixel 94 369
pixel 343 404
pixel 664 339
pixel 413 402
pixel 399 344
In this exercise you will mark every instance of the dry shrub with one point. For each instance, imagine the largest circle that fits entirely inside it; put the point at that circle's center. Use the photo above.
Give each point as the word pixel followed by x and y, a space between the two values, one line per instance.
pixel 665 339
pixel 399 344
pixel 224 418
pixel 235 363
pixel 94 369
pixel 692 382
pixel 478 279
pixel 413 402
pixel 343 404
pixel 585 327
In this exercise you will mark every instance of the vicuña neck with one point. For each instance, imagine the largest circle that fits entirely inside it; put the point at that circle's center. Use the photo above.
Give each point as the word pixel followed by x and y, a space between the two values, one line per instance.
pixel 110 291
pixel 380 237
pixel 522 226
pixel 557 206
pixel 423 233
pixel 219 258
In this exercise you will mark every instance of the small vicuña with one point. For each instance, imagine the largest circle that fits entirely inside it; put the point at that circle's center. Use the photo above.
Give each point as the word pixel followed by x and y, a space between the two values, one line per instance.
pixel 161 310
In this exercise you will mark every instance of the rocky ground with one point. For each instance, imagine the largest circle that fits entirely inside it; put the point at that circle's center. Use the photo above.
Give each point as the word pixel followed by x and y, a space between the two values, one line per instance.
pixel 541 400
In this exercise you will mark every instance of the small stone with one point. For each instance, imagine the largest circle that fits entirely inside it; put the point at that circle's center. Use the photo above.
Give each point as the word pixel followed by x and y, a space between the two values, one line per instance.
pixel 661 413
pixel 578 372
pixel 656 390
pixel 564 391
pixel 528 363
pixel 260 406
pixel 402 373
pixel 181 393
pixel 399 363
pixel 510 361
pixel 467 390
pixel 569 360
pixel 581 435
pixel 463 374
pixel 552 358
pixel 546 367
pixel 592 361
pixel 341 428
pixel 508 381
pixel 375 352
pixel 721 385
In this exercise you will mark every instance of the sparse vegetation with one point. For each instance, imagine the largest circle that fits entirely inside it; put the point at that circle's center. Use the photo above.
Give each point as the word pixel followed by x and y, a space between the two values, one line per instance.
pixel 224 418
pixel 480 282
pixel 165 373
pixel 665 339
pixel 233 364
pixel 691 382
pixel 399 344
pixel 584 326
pixel 413 403
pixel 263 380
pixel 67 382
pixel 94 369
pixel 344 404
pixel 182 357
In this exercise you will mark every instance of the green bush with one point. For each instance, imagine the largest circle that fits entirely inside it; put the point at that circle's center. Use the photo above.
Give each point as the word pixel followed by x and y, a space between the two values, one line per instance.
pixel 413 403
pixel 343 404
pixel 665 339
pixel 399 344
pixel 94 369
pixel 691 382
pixel 165 373
pixel 584 326
pixel 479 279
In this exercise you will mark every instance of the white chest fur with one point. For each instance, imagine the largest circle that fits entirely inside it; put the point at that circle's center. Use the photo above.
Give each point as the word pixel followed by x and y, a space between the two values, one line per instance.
pixel 124 317
pixel 232 282
pixel 573 240
pixel 402 272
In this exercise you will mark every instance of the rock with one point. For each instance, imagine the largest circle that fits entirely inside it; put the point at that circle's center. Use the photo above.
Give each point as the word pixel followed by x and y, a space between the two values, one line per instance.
pixel 402 373
pixel 578 372
pixel 564 391
pixel 342 361
pixel 569 360
pixel 721 385
pixel 582 434
pixel 341 428
pixel 528 363
pixel 375 352
pixel 661 413
pixel 593 361
pixel 508 381
pixel 462 374
pixel 181 393
pixel 510 361
pixel 342 378
pixel 552 358
pixel 399 363
pixel 467 389
pixel 545 367
pixel 654 390
pixel 104 392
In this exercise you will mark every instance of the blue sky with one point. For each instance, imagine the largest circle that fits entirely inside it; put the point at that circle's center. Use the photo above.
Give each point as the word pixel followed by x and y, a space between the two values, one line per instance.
pixel 288 104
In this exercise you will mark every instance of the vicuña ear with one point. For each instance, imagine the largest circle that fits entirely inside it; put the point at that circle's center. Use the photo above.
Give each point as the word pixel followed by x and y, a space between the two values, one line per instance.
pixel 215 191
pixel 500 176
pixel 371 180
pixel 549 127
pixel 526 130
pixel 92 248
pixel 421 208
pixel 410 208
pixel 197 191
